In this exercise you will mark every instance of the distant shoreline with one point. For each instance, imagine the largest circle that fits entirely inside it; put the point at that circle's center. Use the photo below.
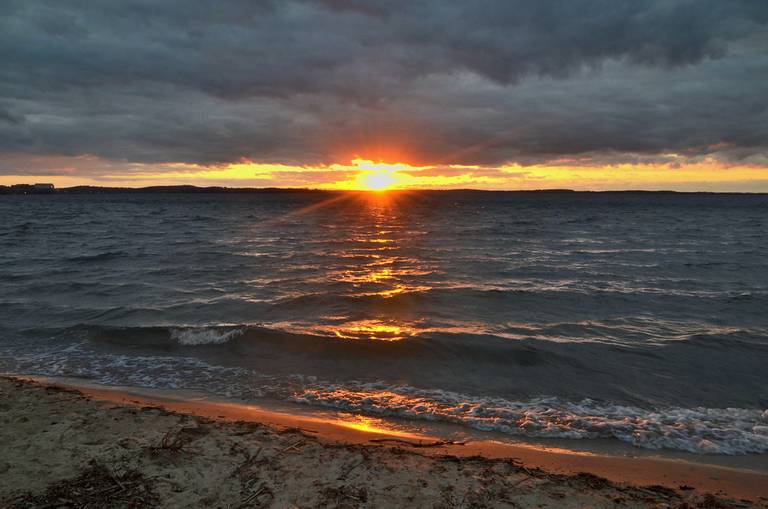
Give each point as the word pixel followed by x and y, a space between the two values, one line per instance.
pixel 29 189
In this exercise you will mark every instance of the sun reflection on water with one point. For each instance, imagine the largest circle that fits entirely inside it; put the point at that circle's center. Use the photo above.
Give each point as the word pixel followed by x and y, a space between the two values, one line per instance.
pixel 373 425
pixel 366 275
pixel 379 265
pixel 373 329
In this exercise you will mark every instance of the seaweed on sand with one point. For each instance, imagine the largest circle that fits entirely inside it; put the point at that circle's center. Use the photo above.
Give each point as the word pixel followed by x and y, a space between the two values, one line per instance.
pixel 96 486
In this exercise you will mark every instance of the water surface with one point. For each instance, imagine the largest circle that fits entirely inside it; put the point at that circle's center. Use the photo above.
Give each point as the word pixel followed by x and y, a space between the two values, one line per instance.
pixel 638 317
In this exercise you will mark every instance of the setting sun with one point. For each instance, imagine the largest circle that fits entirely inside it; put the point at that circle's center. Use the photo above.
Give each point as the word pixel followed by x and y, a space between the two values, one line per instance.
pixel 378 181
pixel 378 176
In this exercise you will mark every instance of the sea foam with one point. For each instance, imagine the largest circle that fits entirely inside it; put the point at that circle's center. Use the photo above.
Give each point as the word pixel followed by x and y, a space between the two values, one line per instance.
pixel 696 430
pixel 194 336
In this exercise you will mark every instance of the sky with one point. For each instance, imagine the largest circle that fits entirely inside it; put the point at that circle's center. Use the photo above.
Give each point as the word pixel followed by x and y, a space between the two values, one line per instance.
pixel 364 94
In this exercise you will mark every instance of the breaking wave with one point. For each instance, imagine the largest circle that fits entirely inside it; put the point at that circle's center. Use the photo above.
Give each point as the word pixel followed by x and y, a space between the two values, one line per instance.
pixel 204 335
pixel 696 430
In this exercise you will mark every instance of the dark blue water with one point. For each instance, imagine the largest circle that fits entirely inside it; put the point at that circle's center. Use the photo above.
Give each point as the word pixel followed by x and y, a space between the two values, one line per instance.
pixel 641 317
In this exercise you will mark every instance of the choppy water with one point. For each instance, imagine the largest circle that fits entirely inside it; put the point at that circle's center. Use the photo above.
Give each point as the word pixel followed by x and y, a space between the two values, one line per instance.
pixel 642 317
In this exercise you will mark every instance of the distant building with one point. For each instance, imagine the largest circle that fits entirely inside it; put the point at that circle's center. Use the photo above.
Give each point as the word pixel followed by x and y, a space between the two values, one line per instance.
pixel 41 188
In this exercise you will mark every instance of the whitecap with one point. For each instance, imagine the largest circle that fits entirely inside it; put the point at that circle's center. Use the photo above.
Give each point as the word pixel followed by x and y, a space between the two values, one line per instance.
pixel 204 335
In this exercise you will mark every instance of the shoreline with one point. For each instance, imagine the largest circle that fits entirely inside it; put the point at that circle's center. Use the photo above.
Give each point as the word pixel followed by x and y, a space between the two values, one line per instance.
pixel 594 475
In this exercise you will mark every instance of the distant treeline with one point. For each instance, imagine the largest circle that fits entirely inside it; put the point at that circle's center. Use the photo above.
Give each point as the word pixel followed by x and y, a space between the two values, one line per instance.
pixel 37 189
pixel 49 189
pixel 40 189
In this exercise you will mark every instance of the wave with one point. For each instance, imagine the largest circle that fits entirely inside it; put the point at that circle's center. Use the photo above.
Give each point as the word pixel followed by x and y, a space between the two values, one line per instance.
pixel 98 257
pixel 696 430
pixel 204 335
pixel 512 363
pixel 575 298
pixel 562 343
pixel 159 337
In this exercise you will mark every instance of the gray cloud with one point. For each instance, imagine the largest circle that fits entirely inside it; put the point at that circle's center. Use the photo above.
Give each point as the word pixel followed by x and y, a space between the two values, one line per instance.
pixel 304 82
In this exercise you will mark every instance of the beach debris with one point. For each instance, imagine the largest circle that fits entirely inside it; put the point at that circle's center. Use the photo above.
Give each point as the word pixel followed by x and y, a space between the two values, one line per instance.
pixel 296 429
pixel 62 389
pixel 657 490
pixel 521 481
pixel 95 486
pixel 595 482
pixel 296 445
pixel 336 496
pixel 249 462
pixel 709 501
pixel 257 495
pixel 175 440
pixel 249 428
pixel 448 497
pixel 348 470
pixel 419 444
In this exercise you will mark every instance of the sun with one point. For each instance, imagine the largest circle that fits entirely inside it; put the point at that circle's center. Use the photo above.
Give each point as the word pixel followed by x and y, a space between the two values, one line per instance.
pixel 378 180
pixel 378 176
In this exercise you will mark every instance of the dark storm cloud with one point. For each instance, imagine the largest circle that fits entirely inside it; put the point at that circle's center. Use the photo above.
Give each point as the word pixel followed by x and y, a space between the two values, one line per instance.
pixel 447 82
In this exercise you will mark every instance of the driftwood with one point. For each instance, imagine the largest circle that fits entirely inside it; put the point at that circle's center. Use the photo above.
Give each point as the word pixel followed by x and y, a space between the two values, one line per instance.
pixel 409 443
pixel 295 445
pixel 296 429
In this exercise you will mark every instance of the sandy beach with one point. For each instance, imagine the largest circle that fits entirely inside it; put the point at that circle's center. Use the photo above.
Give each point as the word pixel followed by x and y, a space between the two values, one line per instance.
pixel 63 447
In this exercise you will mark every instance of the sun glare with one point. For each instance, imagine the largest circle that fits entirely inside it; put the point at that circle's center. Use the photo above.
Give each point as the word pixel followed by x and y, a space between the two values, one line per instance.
pixel 378 176
pixel 378 181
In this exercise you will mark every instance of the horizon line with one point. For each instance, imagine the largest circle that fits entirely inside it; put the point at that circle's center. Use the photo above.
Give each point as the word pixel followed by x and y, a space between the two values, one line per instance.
pixel 226 189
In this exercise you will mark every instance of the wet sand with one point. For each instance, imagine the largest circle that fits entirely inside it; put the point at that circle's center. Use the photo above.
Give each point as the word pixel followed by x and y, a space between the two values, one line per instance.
pixel 96 447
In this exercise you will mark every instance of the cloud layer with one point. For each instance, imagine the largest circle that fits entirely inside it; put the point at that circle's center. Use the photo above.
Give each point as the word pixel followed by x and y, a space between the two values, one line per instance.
pixel 318 82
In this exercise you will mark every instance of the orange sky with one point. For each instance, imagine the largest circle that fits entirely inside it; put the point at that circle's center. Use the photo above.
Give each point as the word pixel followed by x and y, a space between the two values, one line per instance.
pixel 360 173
